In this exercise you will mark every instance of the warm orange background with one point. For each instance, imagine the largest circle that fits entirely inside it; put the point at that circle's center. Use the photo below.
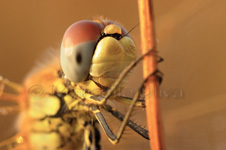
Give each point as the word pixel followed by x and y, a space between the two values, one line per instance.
pixel 191 38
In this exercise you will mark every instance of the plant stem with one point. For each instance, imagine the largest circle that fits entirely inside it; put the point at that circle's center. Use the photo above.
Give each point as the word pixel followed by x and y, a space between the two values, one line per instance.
pixel 149 66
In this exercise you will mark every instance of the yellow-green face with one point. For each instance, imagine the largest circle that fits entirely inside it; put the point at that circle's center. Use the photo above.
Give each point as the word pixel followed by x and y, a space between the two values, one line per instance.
pixel 98 49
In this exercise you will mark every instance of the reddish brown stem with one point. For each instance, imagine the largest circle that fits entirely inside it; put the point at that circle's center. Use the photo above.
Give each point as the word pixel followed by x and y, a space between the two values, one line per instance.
pixel 149 66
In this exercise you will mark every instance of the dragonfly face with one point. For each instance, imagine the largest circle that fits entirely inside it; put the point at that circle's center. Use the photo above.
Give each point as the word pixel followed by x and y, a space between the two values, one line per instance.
pixel 93 56
pixel 97 49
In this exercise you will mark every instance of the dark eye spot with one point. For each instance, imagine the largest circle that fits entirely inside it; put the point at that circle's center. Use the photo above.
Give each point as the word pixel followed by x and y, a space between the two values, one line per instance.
pixel 79 58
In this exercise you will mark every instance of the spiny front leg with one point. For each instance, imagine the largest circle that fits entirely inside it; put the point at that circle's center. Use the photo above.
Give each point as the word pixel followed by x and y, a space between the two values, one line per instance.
pixel 115 138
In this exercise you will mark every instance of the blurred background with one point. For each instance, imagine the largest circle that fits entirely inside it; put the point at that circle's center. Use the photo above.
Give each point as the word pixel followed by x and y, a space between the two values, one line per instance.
pixel 190 37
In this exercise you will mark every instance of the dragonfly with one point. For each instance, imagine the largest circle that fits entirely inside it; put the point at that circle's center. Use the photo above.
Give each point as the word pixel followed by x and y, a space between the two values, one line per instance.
pixel 62 100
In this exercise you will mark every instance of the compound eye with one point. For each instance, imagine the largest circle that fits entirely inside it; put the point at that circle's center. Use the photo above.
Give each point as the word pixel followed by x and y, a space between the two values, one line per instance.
pixel 77 49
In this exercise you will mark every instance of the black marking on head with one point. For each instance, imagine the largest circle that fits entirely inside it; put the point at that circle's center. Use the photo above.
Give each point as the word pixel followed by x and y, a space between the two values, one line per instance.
pixel 115 35
pixel 104 88
pixel 79 58
pixel 60 73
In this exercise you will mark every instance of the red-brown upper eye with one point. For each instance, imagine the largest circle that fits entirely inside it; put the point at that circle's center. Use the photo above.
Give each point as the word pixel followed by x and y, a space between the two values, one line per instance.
pixel 82 31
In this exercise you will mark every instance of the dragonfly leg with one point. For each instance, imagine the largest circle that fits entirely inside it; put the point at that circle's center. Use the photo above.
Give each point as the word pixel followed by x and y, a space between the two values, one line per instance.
pixel 4 96
pixel 103 123
pixel 139 102
pixel 11 142
pixel 127 100
pixel 9 97
pixel 14 86
pixel 8 110
pixel 137 128
pixel 91 138
pixel 135 98
pixel 113 138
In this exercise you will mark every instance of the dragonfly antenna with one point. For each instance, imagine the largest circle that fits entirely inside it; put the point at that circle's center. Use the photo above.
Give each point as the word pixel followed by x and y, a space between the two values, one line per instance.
pixel 132 29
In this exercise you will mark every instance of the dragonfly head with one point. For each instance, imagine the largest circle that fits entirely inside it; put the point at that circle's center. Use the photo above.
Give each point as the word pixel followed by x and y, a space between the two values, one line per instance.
pixel 101 49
